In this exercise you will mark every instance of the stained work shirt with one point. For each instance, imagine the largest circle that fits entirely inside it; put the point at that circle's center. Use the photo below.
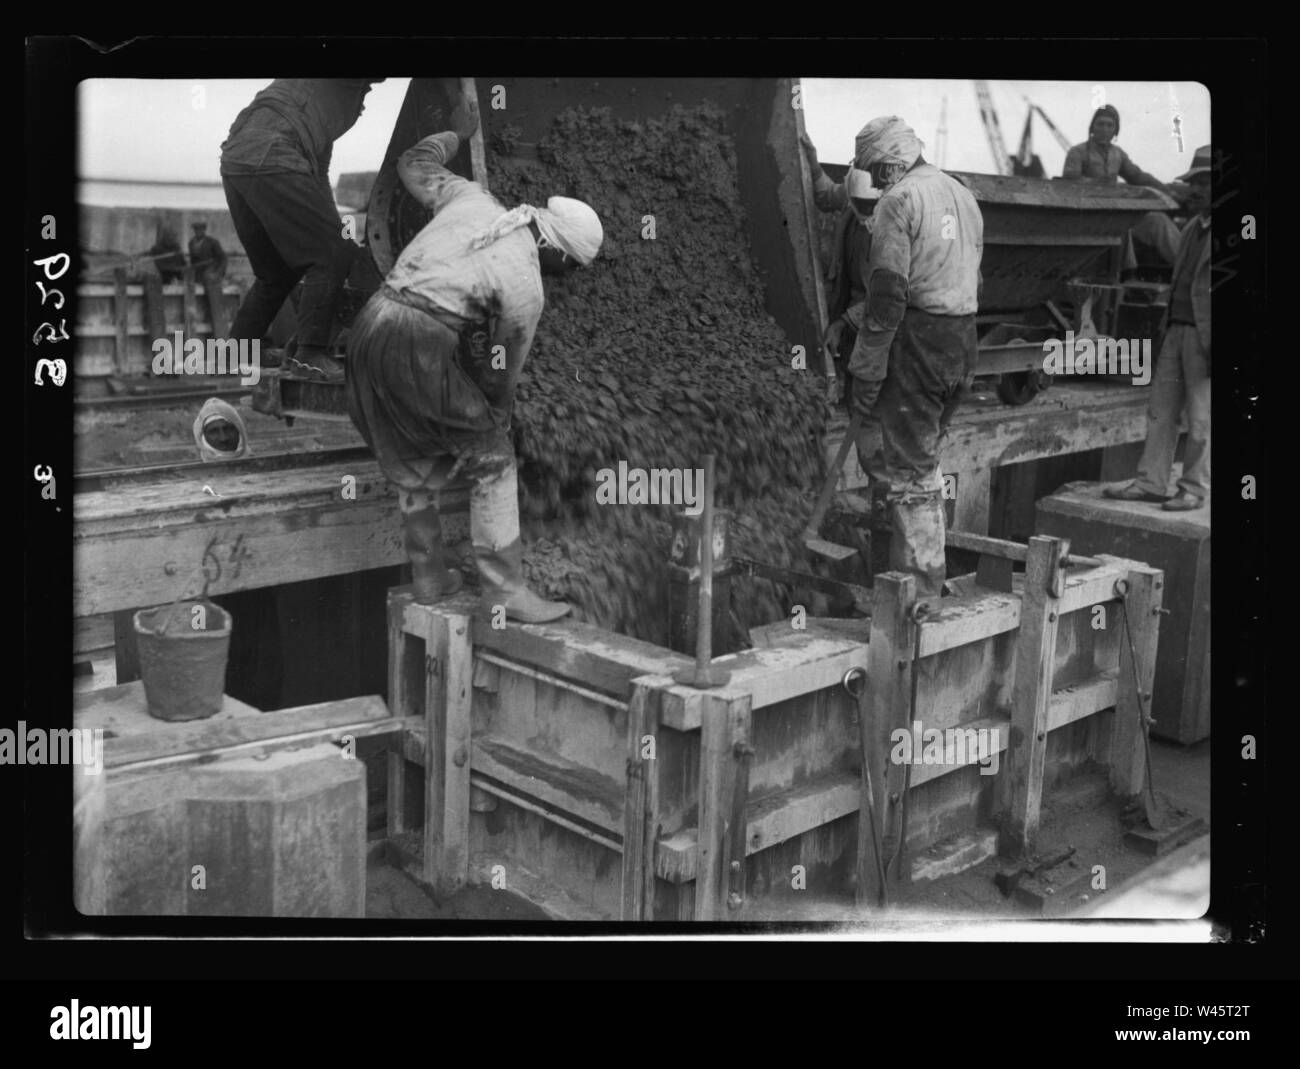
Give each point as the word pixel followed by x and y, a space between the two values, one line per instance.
pixel 291 126
pixel 439 271
pixel 927 229
pixel 1108 162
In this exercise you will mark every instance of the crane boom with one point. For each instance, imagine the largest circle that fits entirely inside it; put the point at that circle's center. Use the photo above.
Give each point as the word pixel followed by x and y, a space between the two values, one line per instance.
pixel 992 128
pixel 1061 139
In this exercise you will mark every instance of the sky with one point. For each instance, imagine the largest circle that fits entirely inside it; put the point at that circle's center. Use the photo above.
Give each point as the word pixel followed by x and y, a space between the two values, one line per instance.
pixel 171 130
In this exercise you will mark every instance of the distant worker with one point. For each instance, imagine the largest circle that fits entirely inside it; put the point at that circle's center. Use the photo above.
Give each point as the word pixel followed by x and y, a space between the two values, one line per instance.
pixel 1100 158
pixel 275 168
pixel 916 350
pixel 166 254
pixel 846 285
pixel 436 354
pixel 1182 378
pixel 208 259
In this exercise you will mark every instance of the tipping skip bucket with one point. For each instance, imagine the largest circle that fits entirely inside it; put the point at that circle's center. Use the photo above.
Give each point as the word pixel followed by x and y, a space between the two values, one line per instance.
pixel 183 658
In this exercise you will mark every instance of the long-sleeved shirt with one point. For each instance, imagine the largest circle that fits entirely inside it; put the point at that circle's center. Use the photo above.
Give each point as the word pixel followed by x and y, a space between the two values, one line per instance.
pixel 1091 160
pixel 927 230
pixel 438 270
pixel 206 254
pixel 846 275
pixel 291 126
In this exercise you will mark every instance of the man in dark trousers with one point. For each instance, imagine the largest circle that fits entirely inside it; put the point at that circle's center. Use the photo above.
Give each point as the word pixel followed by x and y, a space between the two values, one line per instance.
pixel 436 354
pixel 208 259
pixel 1182 378
pixel 275 169
pixel 916 347
pixel 166 254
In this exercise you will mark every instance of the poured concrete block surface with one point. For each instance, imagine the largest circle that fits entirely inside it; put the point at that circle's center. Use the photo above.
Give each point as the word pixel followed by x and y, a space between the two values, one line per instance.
pixel 276 834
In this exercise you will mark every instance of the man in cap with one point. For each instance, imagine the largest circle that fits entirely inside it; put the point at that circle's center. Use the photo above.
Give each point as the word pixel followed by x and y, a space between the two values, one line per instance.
pixel 1182 378
pixel 275 169
pixel 435 355
pixel 916 349
pixel 208 259
pixel 1100 158
pixel 846 281
pixel 166 254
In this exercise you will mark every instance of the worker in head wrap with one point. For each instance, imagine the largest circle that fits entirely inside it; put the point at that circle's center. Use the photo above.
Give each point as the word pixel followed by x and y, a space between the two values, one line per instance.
pixel 275 167
pixel 435 355
pixel 846 280
pixel 1100 158
pixel 916 348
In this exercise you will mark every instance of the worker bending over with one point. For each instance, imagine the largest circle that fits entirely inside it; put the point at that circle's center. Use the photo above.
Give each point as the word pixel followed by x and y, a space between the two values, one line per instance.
pixel 1182 378
pixel 916 349
pixel 436 354
pixel 275 167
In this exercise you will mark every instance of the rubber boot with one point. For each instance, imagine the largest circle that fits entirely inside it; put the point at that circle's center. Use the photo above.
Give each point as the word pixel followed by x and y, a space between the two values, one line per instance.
pixel 917 542
pixel 499 550
pixel 311 362
pixel 431 579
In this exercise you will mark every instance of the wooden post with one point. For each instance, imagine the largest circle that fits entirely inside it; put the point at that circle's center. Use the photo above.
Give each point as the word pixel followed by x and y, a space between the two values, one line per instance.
pixel 191 311
pixel 889 675
pixel 399 704
pixel 972 506
pixel 641 810
pixel 1127 750
pixel 724 791
pixel 121 322
pixel 477 156
pixel 815 267
pixel 126 653
pixel 448 695
pixel 155 311
pixel 1031 695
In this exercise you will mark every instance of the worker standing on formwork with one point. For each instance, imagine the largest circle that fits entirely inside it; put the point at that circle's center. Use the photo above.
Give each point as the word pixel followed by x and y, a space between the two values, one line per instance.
pixel 846 283
pixel 436 354
pixel 916 350
pixel 208 259
pixel 275 169
pixel 1182 380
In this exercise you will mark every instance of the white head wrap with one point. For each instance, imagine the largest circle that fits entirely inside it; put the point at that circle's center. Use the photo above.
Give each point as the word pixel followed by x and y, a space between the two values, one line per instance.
pixel 886 140
pixel 570 225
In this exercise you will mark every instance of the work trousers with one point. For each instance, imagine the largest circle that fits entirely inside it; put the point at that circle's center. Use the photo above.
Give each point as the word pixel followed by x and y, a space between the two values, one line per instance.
pixel 429 425
pixel 930 368
pixel 1181 382
pixel 290 230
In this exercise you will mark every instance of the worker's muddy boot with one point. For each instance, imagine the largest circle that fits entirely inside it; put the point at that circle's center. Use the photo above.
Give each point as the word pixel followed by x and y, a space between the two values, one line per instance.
pixel 499 550
pixel 917 542
pixel 431 579
pixel 502 573
pixel 319 365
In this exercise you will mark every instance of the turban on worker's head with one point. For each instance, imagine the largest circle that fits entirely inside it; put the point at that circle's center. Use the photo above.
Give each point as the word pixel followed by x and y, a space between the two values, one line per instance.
pixel 1110 111
pixel 569 225
pixel 886 140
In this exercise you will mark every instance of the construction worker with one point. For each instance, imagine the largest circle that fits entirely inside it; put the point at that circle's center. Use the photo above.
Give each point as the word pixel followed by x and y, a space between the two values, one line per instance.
pixel 846 286
pixel 1182 378
pixel 916 349
pixel 275 170
pixel 208 259
pixel 435 355
pixel 166 254
pixel 1100 158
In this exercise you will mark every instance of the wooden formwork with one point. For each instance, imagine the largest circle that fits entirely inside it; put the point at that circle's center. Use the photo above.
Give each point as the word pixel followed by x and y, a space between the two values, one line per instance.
pixel 563 762
pixel 118 322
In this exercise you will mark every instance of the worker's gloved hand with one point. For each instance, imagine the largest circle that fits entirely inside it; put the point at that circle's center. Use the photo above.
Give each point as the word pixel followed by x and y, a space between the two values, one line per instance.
pixel 834 338
pixel 464 118
pixel 810 154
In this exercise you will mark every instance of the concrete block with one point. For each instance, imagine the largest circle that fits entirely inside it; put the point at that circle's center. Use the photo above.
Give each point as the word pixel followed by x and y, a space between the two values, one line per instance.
pixel 278 834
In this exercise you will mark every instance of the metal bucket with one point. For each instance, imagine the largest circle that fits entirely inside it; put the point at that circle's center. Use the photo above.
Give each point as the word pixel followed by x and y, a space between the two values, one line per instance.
pixel 183 658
